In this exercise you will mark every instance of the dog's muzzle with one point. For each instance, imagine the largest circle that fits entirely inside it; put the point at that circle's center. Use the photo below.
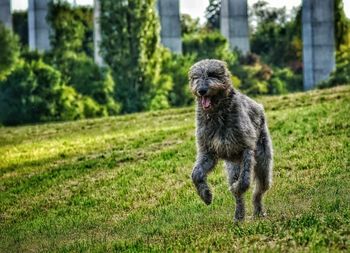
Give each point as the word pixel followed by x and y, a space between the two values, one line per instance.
pixel 205 102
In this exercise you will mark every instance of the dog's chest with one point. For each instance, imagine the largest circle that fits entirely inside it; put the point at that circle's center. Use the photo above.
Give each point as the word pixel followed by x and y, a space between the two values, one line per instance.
pixel 223 140
pixel 225 144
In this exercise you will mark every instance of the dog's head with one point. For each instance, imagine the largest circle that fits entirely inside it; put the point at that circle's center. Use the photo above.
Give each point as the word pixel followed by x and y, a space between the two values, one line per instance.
pixel 210 81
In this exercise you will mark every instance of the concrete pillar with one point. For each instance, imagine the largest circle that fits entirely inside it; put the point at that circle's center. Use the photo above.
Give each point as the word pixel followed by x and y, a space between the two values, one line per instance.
pixel 38 27
pixel 97 33
pixel 234 24
pixel 5 13
pixel 170 32
pixel 318 41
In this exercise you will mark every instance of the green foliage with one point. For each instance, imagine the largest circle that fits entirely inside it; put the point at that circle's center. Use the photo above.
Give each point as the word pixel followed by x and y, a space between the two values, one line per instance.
pixel 253 77
pixel 20 25
pixel 130 43
pixel 163 84
pixel 208 45
pixel 212 13
pixel 71 41
pixel 275 39
pixel 341 75
pixel 88 79
pixel 37 92
pixel 176 67
pixel 72 27
pixel 250 74
pixel 34 92
pixel 285 80
pixel 263 13
pixel 189 25
pixel 9 51
pixel 342 25
pixel 35 55
pixel 69 105
pixel 122 184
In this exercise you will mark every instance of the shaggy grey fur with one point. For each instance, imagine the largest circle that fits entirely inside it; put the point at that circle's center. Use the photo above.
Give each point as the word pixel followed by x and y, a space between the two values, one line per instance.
pixel 232 127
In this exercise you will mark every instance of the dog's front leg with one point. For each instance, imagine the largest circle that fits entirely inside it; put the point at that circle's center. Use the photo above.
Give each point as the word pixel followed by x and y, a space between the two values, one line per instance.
pixel 204 164
pixel 239 187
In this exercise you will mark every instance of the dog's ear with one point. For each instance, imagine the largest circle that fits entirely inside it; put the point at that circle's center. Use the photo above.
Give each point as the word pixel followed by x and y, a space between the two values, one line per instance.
pixel 190 75
pixel 224 64
pixel 228 76
pixel 191 70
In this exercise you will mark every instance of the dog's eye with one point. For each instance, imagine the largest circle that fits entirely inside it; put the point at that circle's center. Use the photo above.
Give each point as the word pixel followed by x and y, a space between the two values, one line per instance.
pixel 194 77
pixel 213 74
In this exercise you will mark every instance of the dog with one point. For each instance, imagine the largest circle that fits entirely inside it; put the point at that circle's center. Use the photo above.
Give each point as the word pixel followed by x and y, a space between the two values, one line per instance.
pixel 232 127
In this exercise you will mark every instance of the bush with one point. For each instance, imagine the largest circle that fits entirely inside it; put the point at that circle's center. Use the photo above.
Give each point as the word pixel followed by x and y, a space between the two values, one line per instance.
pixel 189 25
pixel 9 51
pixel 208 46
pixel 81 72
pixel 251 75
pixel 285 80
pixel 35 92
pixel 341 75
pixel 130 46
pixel 277 36
pixel 69 105
pixel 256 78
pixel 71 27
pixel 176 67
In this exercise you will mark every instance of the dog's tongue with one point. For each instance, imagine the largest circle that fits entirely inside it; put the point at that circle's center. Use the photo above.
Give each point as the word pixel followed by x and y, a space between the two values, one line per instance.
pixel 205 102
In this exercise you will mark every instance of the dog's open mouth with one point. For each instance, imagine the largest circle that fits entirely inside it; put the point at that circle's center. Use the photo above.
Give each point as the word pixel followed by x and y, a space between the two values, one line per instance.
pixel 206 102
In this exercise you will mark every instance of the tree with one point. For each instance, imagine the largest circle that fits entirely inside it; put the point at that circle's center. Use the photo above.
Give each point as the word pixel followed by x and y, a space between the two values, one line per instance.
pixel 9 50
pixel 87 78
pixel 72 27
pixel 276 38
pixel 71 40
pixel 212 13
pixel 20 25
pixel 189 25
pixel 341 25
pixel 130 42
pixel 207 45
pixel 263 13
pixel 35 92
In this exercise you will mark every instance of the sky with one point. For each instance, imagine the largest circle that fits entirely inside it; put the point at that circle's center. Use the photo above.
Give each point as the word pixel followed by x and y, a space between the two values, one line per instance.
pixel 195 8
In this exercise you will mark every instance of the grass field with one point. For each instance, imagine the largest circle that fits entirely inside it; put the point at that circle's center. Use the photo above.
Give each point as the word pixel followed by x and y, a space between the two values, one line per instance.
pixel 123 184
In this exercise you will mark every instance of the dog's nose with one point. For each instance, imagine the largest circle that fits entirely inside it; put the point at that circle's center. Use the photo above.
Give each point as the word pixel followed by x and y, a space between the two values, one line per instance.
pixel 202 91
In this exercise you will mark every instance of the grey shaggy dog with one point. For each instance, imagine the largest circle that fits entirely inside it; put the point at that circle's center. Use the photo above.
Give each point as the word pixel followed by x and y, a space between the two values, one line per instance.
pixel 232 127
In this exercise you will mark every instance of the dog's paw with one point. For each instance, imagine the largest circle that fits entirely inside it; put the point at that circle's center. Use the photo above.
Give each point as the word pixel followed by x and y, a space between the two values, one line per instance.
pixel 239 215
pixel 204 192
pixel 259 214
pixel 238 220
pixel 206 195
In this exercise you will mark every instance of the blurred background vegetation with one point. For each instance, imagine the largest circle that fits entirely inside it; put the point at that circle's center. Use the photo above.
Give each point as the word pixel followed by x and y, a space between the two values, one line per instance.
pixel 140 74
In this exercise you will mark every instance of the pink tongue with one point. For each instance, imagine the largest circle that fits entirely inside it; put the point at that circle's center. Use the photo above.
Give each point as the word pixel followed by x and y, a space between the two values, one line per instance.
pixel 205 102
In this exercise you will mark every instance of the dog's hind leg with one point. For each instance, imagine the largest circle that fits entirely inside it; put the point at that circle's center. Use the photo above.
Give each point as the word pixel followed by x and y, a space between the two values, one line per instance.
pixel 204 164
pixel 240 186
pixel 262 170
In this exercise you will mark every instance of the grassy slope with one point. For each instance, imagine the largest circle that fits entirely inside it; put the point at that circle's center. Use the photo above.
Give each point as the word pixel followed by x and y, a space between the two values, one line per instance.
pixel 123 183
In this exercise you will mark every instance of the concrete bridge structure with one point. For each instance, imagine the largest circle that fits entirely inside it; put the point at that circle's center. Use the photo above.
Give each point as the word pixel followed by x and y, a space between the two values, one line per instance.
pixel 317 34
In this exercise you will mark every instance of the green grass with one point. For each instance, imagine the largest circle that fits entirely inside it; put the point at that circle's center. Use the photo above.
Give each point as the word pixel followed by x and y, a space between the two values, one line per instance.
pixel 123 184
